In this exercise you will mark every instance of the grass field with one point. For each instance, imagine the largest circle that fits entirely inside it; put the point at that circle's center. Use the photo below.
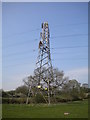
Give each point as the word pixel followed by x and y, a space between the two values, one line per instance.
pixel 78 109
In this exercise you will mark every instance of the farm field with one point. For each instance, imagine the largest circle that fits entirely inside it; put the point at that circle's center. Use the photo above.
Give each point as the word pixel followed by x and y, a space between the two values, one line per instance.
pixel 77 109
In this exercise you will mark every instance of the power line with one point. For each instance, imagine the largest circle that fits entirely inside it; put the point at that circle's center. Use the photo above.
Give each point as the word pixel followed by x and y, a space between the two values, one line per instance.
pixel 20 53
pixel 18 64
pixel 21 33
pixel 19 43
pixel 65 59
pixel 69 47
pixel 70 24
pixel 73 35
pixel 71 59
pixel 27 41
pixel 37 29
pixel 34 50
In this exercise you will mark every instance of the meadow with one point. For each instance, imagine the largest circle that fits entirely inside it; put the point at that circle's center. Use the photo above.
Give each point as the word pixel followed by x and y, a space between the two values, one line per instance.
pixel 76 109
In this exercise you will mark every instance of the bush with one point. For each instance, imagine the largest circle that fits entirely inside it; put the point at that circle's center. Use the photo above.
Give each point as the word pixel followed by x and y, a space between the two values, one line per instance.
pixel 14 100
pixel 63 98
pixel 18 100
pixel 39 99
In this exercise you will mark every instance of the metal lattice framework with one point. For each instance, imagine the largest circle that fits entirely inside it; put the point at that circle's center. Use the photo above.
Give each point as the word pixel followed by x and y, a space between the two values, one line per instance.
pixel 44 66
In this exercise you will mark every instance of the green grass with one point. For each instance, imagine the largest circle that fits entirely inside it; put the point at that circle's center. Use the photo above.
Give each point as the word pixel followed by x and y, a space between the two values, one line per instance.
pixel 77 109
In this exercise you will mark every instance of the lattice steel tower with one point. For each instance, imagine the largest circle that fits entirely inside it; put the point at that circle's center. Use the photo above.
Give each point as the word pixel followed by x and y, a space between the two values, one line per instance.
pixel 44 66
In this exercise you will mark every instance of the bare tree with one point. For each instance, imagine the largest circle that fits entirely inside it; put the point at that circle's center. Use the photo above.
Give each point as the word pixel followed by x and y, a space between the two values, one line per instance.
pixel 71 84
pixel 40 80
pixel 59 79
pixel 30 83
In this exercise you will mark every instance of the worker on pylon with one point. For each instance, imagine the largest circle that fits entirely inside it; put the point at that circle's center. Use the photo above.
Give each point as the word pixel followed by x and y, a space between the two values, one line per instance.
pixel 40 44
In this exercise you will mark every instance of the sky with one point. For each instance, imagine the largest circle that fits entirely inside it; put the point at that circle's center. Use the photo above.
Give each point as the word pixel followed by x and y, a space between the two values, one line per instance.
pixel 21 27
pixel 45 0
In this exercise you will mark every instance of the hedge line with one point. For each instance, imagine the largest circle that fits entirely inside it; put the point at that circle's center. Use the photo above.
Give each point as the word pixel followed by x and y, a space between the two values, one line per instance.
pixel 40 99
pixel 15 100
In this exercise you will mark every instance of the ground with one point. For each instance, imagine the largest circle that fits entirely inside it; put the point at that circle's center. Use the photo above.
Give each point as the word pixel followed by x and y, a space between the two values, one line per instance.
pixel 78 109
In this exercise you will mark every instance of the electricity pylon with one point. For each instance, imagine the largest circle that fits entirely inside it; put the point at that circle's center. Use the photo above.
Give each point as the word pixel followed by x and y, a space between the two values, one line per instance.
pixel 44 66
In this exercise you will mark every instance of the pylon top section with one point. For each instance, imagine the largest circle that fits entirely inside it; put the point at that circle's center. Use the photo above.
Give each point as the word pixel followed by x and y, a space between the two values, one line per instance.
pixel 45 25
pixel 44 35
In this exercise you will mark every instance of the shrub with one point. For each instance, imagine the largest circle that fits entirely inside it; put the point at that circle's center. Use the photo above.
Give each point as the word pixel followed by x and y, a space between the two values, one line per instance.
pixel 17 100
pixel 63 98
pixel 39 98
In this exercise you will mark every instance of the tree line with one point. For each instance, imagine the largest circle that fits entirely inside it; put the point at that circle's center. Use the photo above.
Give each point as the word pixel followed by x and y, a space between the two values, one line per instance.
pixel 62 89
